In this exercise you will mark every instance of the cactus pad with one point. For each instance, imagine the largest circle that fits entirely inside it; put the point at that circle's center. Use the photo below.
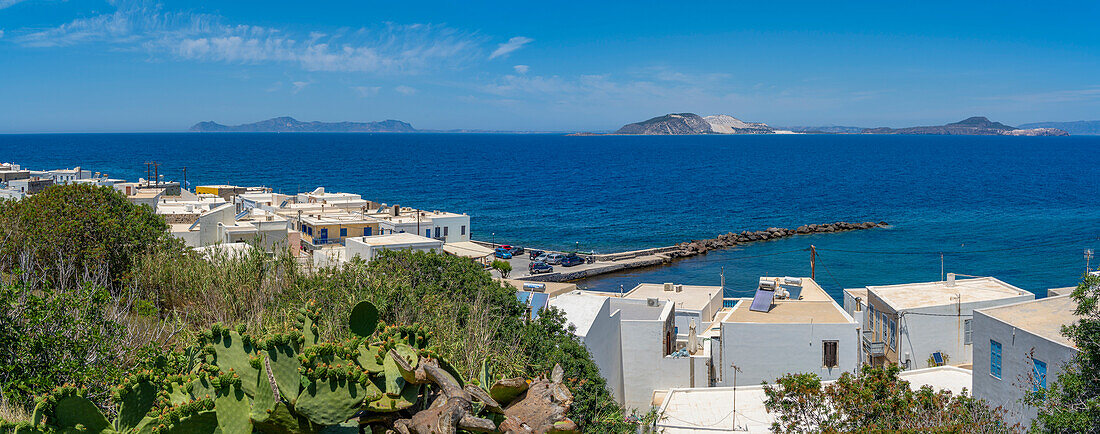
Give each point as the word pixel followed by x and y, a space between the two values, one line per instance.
pixel 233 407
pixel 363 319
pixel 331 401
pixel 74 411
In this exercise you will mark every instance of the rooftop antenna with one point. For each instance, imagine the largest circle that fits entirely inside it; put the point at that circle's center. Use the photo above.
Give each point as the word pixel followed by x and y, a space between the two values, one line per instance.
pixel 813 262
pixel 723 274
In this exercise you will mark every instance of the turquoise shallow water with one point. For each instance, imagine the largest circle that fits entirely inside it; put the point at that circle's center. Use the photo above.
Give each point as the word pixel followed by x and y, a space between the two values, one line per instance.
pixel 1018 208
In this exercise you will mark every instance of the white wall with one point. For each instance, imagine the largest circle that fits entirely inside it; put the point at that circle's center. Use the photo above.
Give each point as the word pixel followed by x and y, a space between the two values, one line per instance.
pixel 924 331
pixel 453 225
pixel 765 352
pixel 356 247
pixel 1018 347
pixel 604 345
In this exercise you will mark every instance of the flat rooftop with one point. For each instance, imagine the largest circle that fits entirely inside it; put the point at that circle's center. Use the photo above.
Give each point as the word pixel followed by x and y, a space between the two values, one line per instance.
pixel 693 297
pixel 914 295
pixel 789 312
pixel 396 239
pixel 1043 317
pixel 580 308
pixel 711 410
pixel 333 218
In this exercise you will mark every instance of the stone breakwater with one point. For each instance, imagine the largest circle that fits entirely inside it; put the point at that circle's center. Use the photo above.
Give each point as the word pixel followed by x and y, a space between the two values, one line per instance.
pixel 622 261
pixel 696 247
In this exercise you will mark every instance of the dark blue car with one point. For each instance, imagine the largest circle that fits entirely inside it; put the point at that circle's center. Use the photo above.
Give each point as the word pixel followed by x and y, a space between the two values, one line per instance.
pixel 539 267
pixel 571 260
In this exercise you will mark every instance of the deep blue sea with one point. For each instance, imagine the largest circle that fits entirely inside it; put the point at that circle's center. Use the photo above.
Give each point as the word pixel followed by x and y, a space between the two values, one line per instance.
pixel 1022 209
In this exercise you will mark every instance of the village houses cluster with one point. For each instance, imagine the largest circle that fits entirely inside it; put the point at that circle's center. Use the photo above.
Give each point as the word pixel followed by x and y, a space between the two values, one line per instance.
pixel 319 227
pixel 697 355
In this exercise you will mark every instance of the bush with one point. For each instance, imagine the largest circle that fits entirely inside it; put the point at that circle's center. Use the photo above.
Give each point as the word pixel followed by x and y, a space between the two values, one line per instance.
pixel 503 267
pixel 49 338
pixel 72 233
pixel 874 400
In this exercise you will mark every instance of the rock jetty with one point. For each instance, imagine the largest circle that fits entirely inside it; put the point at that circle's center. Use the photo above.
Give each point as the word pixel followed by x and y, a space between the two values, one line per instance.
pixel 697 247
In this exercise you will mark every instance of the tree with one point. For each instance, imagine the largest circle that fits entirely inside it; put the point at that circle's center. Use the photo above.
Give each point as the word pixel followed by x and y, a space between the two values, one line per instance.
pixel 874 399
pixel 1072 403
pixel 503 267
pixel 72 233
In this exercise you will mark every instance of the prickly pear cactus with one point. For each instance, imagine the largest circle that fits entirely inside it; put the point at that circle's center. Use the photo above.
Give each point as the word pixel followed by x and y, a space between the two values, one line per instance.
pixel 295 383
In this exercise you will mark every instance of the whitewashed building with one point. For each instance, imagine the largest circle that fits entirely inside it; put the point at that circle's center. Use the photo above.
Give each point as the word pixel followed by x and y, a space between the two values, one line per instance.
pixel 366 248
pixel 1019 348
pixel 911 324
pixel 791 325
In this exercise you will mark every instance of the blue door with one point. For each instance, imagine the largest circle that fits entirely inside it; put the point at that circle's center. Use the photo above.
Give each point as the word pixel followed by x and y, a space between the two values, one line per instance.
pixel 428 233
pixel 366 232
pixel 323 234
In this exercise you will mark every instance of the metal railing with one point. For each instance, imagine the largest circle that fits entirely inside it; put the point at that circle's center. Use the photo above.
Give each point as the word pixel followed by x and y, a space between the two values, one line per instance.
pixel 871 347
pixel 729 302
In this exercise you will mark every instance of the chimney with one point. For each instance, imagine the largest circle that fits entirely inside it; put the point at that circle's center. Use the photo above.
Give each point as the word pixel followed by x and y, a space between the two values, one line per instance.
pixel 950 279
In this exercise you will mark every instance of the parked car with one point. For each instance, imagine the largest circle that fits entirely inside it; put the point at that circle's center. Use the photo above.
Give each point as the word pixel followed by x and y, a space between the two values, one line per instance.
pixel 550 258
pixel 502 253
pixel 539 267
pixel 571 260
pixel 535 254
pixel 516 250
pixel 505 247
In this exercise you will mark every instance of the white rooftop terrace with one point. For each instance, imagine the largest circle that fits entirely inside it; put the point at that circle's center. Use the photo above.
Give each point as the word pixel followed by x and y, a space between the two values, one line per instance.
pixel 1043 317
pixel 398 239
pixel 693 297
pixel 916 295
pixel 711 410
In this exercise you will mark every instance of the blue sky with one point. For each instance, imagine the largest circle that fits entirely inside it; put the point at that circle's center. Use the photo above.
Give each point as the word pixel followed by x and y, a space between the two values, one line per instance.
pixel 163 65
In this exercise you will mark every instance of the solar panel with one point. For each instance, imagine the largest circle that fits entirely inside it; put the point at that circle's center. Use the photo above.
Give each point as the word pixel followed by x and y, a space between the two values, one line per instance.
pixel 762 301
pixel 938 358
pixel 538 303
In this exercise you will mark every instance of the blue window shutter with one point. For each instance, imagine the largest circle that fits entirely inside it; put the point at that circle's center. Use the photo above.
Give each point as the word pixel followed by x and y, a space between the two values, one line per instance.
pixel 428 233
pixel 995 358
pixel 343 232
pixel 366 232
pixel 1040 375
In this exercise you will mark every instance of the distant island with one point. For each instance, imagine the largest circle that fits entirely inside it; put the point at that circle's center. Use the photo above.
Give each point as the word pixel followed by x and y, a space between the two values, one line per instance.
pixel 1076 127
pixel 973 126
pixel 288 124
pixel 691 123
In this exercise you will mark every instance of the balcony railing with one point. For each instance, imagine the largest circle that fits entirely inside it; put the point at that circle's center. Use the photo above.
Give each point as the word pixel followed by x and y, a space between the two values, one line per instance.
pixel 871 347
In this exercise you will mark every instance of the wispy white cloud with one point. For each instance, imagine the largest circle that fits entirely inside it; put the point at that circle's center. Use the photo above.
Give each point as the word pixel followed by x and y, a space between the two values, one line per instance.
pixel 405 90
pixel 366 91
pixel 521 69
pixel 4 4
pixel 513 44
pixel 299 85
pixel 391 48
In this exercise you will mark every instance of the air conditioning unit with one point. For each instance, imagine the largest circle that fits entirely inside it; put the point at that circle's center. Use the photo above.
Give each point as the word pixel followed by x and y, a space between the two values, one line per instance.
pixel 651 302
pixel 668 287
pixel 679 288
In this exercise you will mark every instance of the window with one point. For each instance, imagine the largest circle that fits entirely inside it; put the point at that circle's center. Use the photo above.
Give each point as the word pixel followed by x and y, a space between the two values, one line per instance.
pixel 366 232
pixel 1040 375
pixel 871 317
pixel 968 332
pixel 885 329
pixel 994 358
pixel 893 335
pixel 323 234
pixel 428 233
pixel 343 232
pixel 463 232
pixel 828 353
pixel 437 232
pixel 445 231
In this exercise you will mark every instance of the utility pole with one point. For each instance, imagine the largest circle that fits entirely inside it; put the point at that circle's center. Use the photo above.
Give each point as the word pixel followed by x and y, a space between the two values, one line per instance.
pixel 184 177
pixel 943 277
pixel 148 171
pixel 735 371
pixel 723 278
pixel 156 172
pixel 1088 257
pixel 813 262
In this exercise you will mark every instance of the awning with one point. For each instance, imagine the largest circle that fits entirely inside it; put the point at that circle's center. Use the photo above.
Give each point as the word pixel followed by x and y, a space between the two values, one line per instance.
pixel 467 249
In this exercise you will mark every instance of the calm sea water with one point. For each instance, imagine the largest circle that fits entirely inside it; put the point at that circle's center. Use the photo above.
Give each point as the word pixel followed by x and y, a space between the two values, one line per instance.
pixel 1022 209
